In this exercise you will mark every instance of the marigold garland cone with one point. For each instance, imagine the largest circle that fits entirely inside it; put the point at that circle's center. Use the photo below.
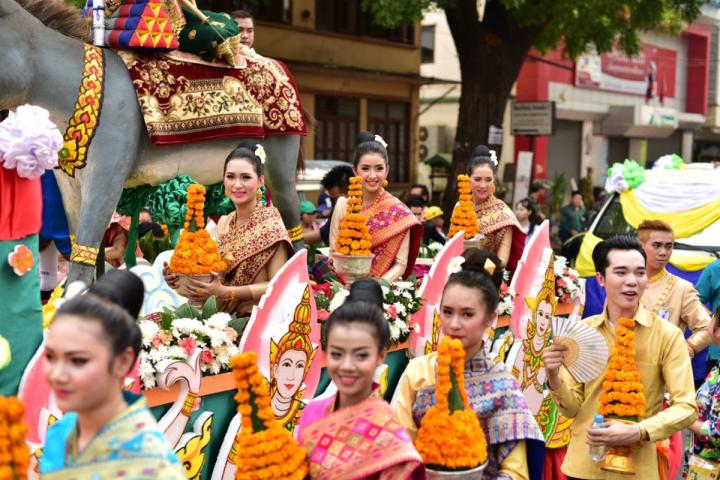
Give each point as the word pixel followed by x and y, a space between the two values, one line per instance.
pixel 14 453
pixel 463 216
pixel 354 236
pixel 196 252
pixel 623 395
pixel 450 437
pixel 623 398
pixel 265 450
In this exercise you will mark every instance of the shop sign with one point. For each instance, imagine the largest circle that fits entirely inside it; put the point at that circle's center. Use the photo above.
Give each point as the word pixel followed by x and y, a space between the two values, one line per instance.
pixel 653 68
pixel 656 116
pixel 532 118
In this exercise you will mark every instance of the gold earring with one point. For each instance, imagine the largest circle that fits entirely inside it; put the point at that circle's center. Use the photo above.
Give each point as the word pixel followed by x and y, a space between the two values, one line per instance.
pixel 492 190
pixel 259 194
pixel 385 183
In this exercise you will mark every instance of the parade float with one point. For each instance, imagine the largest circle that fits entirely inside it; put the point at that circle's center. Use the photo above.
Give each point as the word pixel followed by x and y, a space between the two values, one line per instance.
pixel 184 366
pixel 686 196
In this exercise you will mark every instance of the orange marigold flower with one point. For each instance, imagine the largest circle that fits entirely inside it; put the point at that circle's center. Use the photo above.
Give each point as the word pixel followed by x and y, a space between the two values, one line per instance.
pixel 451 440
pixel 622 389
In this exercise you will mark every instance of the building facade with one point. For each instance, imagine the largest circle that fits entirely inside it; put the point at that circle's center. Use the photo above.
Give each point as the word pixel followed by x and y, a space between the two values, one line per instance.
pixel 352 74
pixel 607 107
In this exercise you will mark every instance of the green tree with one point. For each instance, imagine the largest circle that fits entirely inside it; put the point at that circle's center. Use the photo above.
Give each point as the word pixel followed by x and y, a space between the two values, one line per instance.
pixel 491 52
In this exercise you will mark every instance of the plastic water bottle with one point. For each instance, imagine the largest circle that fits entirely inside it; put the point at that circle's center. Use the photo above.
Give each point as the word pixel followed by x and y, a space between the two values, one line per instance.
pixel 597 454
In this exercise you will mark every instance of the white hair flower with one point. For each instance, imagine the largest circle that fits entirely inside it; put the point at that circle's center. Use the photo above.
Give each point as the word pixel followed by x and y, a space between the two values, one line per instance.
pixel 493 157
pixel 260 153
pixel 381 141
pixel 456 264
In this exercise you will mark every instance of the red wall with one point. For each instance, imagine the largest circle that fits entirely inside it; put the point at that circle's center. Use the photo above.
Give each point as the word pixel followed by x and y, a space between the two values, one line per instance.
pixel 537 73
pixel 698 72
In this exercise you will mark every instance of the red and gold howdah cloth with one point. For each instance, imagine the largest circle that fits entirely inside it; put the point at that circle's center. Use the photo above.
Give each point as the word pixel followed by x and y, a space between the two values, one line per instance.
pixel 249 246
pixel 185 102
pixel 494 216
pixel 388 220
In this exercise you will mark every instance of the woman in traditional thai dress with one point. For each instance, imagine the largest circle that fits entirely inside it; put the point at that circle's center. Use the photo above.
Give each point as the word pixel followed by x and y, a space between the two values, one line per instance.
pixel 467 310
pixel 496 220
pixel 396 233
pixel 252 239
pixel 91 346
pixel 356 418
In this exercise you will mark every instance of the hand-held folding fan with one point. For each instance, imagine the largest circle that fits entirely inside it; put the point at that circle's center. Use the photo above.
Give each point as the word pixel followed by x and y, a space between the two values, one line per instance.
pixel 587 354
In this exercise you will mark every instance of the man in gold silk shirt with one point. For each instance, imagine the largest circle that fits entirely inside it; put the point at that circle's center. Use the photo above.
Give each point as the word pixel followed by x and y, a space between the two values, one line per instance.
pixel 662 359
pixel 669 296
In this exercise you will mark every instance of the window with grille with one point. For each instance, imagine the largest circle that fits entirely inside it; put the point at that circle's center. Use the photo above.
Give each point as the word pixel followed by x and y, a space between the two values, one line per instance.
pixel 347 17
pixel 337 127
pixel 391 120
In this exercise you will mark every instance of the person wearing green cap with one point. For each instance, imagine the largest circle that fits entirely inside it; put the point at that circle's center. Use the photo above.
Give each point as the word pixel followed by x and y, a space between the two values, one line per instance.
pixel 308 216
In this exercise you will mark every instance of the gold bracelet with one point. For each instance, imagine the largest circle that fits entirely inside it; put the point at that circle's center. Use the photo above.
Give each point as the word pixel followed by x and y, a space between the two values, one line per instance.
pixel 232 297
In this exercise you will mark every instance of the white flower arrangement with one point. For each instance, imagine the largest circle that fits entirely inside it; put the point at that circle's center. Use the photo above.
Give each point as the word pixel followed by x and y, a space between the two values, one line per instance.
pixel 507 298
pixel 160 345
pixel 567 284
pixel 399 304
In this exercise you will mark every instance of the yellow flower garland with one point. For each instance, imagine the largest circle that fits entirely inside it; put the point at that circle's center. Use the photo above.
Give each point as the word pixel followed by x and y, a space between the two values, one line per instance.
pixel 354 236
pixel 623 397
pixel 196 252
pixel 450 436
pixel 265 450
pixel 14 453
pixel 463 217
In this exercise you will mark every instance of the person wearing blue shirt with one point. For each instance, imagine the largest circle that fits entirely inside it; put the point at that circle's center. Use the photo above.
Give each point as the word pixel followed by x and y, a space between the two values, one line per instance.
pixel 708 287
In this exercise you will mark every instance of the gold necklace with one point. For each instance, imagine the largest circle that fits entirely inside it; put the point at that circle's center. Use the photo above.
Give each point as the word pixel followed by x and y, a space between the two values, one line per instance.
pixel 376 201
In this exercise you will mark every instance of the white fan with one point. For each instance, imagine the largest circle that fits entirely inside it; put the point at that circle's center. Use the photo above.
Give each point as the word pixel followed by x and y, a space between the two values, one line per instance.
pixel 587 354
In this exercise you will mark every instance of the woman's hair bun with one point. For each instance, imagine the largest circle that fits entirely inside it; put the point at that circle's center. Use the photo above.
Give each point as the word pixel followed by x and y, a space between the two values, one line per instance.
pixel 481 151
pixel 248 143
pixel 122 288
pixel 365 136
pixel 366 290
pixel 484 262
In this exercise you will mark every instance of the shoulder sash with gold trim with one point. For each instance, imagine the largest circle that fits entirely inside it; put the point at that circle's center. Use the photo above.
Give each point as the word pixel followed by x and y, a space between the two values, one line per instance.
pixel 248 247
pixel 388 220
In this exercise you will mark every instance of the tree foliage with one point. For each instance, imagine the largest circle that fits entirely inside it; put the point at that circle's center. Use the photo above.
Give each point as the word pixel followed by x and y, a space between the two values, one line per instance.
pixel 579 23
pixel 491 51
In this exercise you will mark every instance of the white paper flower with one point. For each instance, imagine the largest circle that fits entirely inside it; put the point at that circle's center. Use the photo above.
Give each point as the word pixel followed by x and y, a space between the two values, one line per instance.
pixel 260 153
pixel 29 141
pixel 455 264
pixel 616 182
